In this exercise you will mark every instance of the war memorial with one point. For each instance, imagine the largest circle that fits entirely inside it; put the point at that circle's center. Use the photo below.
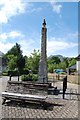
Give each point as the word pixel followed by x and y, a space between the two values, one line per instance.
pixel 40 99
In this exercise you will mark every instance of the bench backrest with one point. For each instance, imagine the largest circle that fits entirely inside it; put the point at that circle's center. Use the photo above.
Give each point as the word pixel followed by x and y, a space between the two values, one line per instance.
pixel 27 87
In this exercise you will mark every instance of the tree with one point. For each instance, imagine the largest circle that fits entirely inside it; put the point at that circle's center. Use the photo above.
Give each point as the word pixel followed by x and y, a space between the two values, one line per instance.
pixel 32 62
pixel 53 63
pixel 63 65
pixel 54 60
pixel 15 58
pixel 66 62
pixel 15 50
pixel 11 62
pixel 72 61
pixel 20 63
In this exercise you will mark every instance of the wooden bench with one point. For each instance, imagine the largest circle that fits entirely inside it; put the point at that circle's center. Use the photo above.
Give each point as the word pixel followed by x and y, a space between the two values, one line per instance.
pixel 26 92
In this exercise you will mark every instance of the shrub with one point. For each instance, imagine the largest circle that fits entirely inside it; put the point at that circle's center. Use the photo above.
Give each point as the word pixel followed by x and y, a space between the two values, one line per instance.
pixel 29 77
pixel 34 71
pixel 5 73
pixel 34 77
pixel 13 72
pixel 26 78
pixel 25 72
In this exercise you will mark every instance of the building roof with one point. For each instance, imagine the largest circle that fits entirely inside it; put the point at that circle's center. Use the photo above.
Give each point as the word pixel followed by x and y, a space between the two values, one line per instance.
pixel 73 67
pixel 1 54
pixel 78 57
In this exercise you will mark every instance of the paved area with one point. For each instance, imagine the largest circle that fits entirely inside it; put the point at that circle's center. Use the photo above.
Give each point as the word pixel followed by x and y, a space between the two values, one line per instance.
pixel 60 108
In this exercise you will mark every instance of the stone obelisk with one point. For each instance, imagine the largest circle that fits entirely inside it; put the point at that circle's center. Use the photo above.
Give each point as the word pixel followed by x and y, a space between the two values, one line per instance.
pixel 42 75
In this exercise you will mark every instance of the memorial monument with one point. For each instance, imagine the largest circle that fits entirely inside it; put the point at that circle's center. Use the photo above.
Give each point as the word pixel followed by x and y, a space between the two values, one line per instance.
pixel 42 75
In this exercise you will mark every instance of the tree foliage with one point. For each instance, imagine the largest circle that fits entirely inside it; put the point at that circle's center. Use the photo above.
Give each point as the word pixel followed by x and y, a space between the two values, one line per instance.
pixel 32 62
pixel 12 62
pixel 72 61
pixel 55 63
pixel 15 50
pixel 54 60
pixel 15 58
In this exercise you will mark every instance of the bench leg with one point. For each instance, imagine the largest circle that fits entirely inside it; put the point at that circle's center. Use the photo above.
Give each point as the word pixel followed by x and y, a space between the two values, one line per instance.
pixel 4 100
pixel 22 102
pixel 45 105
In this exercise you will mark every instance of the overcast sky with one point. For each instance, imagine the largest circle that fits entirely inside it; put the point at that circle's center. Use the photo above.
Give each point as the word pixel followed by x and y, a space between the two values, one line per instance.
pixel 21 22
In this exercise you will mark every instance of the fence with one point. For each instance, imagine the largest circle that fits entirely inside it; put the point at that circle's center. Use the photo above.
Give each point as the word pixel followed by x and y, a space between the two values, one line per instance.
pixel 70 78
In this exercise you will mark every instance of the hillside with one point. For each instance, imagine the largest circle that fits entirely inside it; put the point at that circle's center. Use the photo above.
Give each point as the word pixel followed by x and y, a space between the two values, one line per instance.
pixel 59 56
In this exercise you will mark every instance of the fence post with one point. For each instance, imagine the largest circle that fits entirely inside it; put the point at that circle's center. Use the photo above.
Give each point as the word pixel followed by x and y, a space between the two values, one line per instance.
pixel 58 76
pixel 64 86
pixel 18 77
pixel 43 80
pixel 10 77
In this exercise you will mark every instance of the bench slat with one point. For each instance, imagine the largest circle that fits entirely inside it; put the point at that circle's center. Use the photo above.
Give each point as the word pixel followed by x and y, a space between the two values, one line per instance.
pixel 26 92
pixel 7 94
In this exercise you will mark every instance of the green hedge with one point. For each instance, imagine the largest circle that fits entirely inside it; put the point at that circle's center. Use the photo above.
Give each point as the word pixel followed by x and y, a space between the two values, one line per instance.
pixel 13 72
pixel 16 72
pixel 34 77
pixel 29 77
pixel 5 73
pixel 24 72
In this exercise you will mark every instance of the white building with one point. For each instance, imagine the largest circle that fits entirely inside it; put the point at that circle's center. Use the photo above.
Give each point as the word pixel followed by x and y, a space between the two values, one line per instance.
pixel 0 64
pixel 3 65
pixel 78 63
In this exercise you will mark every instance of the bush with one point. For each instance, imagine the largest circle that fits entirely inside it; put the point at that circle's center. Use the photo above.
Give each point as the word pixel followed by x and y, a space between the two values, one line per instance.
pixel 13 72
pixel 26 78
pixel 24 72
pixel 35 71
pixel 5 73
pixel 34 77
pixel 29 77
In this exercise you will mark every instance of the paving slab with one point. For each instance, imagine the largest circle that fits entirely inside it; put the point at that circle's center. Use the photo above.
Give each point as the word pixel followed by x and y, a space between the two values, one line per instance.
pixel 60 108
